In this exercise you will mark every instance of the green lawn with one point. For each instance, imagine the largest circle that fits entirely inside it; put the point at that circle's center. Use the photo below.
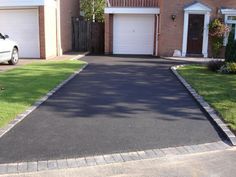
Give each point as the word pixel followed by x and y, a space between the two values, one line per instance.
pixel 21 87
pixel 219 90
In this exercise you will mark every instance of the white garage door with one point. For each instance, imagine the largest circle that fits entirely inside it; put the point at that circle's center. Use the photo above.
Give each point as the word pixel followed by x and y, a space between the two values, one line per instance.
pixel 133 34
pixel 23 27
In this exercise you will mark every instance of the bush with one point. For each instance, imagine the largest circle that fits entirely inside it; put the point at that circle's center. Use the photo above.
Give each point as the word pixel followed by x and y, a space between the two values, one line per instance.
pixel 217 44
pixel 215 65
pixel 228 68
pixel 224 70
pixel 231 67
pixel 230 54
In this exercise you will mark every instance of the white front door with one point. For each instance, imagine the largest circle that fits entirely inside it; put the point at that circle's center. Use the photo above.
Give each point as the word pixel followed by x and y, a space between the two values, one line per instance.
pixel 22 26
pixel 133 34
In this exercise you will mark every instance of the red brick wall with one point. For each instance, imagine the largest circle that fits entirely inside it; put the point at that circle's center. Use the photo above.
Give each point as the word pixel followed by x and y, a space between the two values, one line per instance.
pixel 108 34
pixel 69 9
pixel 42 33
pixel 228 3
pixel 134 3
pixel 171 33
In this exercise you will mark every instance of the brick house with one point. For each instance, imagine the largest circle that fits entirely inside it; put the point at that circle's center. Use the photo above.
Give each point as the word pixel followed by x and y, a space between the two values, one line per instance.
pixel 159 27
pixel 42 28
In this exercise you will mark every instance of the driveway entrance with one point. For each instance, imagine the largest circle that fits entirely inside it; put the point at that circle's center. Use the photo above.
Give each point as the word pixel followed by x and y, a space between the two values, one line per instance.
pixel 116 104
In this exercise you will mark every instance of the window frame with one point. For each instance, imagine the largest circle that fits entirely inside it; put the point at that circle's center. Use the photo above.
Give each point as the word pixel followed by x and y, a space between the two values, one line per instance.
pixel 229 22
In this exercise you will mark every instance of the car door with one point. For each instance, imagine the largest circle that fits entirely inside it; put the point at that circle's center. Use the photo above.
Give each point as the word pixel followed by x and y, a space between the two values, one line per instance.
pixel 5 49
pixel 2 55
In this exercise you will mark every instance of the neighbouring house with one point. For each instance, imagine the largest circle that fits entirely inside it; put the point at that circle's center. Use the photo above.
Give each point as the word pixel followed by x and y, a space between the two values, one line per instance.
pixel 159 27
pixel 42 28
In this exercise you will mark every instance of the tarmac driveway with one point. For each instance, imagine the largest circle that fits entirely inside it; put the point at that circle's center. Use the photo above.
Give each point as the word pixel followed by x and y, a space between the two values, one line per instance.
pixel 116 104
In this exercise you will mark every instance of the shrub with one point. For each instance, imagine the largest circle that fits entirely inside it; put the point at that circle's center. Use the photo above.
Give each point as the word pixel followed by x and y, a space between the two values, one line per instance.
pixel 215 65
pixel 230 54
pixel 231 67
pixel 217 44
pixel 224 70
pixel 228 68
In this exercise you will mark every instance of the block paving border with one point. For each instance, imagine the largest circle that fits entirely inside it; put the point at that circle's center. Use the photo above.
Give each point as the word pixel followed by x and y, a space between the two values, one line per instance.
pixel 205 106
pixel 22 116
pixel 26 167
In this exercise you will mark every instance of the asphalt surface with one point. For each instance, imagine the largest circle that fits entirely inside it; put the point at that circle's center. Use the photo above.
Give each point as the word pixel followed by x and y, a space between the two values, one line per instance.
pixel 116 104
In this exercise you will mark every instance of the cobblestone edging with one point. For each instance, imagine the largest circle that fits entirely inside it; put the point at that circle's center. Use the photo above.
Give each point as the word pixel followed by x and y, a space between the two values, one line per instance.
pixel 209 110
pixel 22 116
pixel 26 167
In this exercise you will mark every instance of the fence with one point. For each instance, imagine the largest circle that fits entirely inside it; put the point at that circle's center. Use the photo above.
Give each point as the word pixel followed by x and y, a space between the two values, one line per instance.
pixel 88 36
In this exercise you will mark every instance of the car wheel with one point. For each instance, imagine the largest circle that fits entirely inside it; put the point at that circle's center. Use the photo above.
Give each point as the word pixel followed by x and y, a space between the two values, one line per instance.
pixel 14 57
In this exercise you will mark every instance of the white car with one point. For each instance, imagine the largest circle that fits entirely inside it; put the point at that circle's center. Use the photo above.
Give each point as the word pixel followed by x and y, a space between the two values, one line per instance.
pixel 9 51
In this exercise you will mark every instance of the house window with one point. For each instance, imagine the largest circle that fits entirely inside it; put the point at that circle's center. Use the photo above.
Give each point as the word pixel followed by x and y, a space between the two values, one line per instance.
pixel 230 20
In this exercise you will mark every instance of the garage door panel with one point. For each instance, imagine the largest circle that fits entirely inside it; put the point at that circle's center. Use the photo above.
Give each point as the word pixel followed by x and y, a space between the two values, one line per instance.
pixel 133 34
pixel 145 39
pixel 23 27
pixel 130 49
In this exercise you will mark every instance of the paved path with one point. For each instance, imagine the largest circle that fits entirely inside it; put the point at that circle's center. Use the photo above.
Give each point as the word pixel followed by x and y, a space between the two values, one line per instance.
pixel 214 164
pixel 71 55
pixel 115 105
pixel 5 66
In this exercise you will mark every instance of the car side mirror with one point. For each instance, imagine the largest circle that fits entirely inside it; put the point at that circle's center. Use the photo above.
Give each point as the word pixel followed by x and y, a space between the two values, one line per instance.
pixel 6 36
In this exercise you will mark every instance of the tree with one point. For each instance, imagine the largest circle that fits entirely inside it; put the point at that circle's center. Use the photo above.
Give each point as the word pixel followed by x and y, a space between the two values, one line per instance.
pixel 230 54
pixel 93 10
